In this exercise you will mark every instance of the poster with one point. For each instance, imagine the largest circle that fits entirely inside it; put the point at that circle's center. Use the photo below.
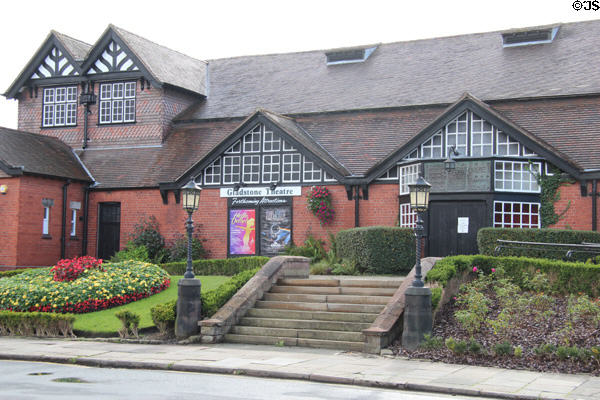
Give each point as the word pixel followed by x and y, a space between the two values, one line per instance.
pixel 242 232
pixel 463 225
pixel 275 229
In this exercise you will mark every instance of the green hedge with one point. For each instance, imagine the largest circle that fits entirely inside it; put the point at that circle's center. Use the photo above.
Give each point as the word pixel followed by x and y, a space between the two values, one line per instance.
pixel 36 324
pixel 12 272
pixel 565 277
pixel 164 314
pixel 378 249
pixel 227 266
pixel 487 241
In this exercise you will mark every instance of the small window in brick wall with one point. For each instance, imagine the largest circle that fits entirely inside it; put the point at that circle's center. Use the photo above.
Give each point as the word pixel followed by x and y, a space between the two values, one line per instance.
pixel 46 204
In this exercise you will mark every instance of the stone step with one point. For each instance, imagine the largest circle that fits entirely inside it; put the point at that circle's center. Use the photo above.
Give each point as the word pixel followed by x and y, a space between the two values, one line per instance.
pixel 298 333
pixel 308 315
pixel 361 291
pixel 304 324
pixel 335 307
pixel 288 341
pixel 389 282
pixel 331 298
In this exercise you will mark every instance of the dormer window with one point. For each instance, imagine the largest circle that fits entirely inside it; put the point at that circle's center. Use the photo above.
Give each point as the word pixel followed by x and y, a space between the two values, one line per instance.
pixel 60 106
pixel 348 56
pixel 117 102
pixel 529 37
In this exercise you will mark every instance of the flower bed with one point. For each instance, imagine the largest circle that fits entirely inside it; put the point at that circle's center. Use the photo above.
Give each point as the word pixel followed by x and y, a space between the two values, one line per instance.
pixel 94 289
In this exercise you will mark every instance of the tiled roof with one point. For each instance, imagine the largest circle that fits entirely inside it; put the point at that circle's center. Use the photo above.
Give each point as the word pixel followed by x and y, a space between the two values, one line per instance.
pixel 166 65
pixel 420 72
pixel 38 154
pixel 75 47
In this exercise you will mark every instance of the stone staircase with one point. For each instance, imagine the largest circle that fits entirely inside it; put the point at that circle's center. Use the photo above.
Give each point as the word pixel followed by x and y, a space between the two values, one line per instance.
pixel 316 312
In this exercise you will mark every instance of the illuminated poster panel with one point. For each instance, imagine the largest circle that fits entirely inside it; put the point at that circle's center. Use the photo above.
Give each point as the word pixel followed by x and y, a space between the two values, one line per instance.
pixel 242 232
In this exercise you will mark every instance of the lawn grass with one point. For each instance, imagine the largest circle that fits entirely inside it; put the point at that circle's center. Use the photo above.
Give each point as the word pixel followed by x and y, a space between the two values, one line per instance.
pixel 104 323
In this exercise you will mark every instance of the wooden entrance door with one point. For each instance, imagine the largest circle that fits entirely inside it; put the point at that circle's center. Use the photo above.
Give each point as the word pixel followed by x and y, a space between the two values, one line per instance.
pixel 109 229
pixel 453 226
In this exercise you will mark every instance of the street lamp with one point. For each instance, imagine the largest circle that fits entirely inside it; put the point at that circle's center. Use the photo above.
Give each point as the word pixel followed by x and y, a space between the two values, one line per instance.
pixel 419 202
pixel 190 194
pixel 449 163
pixel 417 312
pixel 189 305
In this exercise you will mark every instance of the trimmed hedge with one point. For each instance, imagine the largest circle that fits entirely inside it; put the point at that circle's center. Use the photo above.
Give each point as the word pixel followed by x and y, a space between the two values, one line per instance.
pixel 378 249
pixel 227 266
pixel 565 277
pixel 12 272
pixel 36 324
pixel 164 314
pixel 486 241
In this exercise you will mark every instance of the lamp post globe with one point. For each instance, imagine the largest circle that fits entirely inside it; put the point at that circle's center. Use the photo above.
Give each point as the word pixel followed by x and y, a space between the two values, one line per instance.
pixel 190 198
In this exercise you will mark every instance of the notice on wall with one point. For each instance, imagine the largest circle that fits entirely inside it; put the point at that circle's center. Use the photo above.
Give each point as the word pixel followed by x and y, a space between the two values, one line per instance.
pixel 275 229
pixel 242 232
pixel 463 225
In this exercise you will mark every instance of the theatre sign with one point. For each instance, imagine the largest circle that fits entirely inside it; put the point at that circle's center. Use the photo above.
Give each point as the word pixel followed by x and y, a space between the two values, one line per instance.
pixel 262 191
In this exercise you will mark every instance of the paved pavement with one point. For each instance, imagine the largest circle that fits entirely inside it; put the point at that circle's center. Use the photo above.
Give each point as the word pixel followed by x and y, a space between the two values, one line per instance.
pixel 309 364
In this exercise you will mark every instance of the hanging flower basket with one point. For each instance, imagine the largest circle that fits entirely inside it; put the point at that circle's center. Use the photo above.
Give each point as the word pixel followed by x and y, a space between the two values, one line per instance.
pixel 319 203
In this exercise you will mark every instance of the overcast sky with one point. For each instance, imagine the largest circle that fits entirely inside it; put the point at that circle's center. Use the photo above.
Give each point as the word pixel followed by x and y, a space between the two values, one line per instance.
pixel 221 28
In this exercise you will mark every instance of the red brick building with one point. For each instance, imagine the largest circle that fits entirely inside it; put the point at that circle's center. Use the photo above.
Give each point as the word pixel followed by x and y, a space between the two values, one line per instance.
pixel 137 121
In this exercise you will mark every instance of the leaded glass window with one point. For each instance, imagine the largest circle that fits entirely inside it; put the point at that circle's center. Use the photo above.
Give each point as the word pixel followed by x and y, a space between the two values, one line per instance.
pixel 291 167
pixel 456 135
pixel 514 214
pixel 59 106
pixel 482 137
pixel 432 148
pixel 517 176
pixel 231 169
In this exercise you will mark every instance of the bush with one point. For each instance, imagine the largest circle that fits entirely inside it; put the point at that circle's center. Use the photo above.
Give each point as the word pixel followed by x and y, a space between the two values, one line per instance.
pixel 312 248
pixel 130 321
pixel 487 241
pixel 146 233
pixel 93 290
pixel 378 249
pixel 163 316
pixel 12 272
pixel 178 250
pixel 227 266
pixel 503 349
pixel 216 298
pixel 564 277
pixel 131 252
pixel 35 323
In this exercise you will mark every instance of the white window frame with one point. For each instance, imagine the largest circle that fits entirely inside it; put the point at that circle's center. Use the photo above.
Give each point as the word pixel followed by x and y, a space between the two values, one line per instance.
pixel 59 106
pixel 235 148
pixel 73 222
pixel 117 103
pixel 413 155
pixel 288 147
pixel 311 169
pixel 274 173
pixel 328 178
pixel 481 133
pixel 408 174
pixel 293 166
pixel 458 134
pixel 407 216
pixel 547 170
pixel 429 146
pixel 511 212
pixel 251 140
pixel 229 177
pixel 508 143
pixel 251 167
pixel 504 173
pixel 271 141
pixel 46 221
pixel 212 173
pixel 527 152
pixel 390 175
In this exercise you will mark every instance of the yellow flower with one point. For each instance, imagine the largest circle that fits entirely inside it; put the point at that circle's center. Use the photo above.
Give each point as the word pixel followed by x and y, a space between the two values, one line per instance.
pixel 24 296
pixel 37 304
pixel 54 305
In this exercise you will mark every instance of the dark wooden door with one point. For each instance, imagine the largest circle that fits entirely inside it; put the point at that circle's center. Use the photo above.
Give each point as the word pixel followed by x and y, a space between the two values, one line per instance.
pixel 109 229
pixel 453 226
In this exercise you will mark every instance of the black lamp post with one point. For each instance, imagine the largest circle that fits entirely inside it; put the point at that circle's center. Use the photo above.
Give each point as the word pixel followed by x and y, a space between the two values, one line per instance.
pixel 188 294
pixel 190 195
pixel 417 313
pixel 419 202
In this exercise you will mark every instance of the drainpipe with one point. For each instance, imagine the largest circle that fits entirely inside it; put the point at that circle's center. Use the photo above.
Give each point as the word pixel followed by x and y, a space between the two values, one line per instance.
pixel 86 202
pixel 63 229
pixel 85 124
pixel 356 207
pixel 594 204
